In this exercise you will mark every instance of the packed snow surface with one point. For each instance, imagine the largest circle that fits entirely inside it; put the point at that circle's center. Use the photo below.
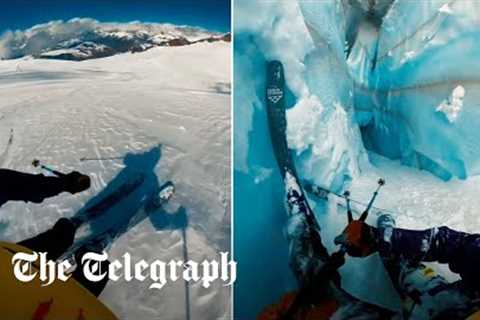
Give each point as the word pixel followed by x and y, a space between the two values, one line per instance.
pixel 166 110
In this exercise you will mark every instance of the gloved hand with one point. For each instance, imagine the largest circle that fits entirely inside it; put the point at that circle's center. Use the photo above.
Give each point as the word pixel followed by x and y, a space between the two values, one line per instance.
pixel 75 182
pixel 359 239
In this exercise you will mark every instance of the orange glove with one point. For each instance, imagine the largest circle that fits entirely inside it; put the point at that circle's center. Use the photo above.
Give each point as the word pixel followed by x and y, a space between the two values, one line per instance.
pixel 359 238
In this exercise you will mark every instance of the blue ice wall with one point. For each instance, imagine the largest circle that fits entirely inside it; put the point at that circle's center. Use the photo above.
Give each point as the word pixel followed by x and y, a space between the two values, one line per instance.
pixel 278 31
pixel 425 51
pixel 259 245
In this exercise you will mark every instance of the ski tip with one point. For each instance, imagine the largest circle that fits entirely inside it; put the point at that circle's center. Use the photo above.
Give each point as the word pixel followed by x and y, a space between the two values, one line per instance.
pixel 275 81
pixel 166 184
pixel 275 72
pixel 275 63
pixel 166 191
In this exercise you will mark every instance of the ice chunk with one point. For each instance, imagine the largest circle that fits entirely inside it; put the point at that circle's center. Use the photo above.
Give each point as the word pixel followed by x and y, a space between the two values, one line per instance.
pixel 453 105
pixel 326 141
pixel 401 106
pixel 445 9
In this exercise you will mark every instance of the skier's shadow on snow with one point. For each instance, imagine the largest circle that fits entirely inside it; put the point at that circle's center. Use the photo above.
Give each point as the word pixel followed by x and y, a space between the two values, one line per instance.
pixel 131 208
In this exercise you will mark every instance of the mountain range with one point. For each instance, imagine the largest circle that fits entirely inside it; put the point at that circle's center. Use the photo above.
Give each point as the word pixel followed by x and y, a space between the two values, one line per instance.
pixel 84 39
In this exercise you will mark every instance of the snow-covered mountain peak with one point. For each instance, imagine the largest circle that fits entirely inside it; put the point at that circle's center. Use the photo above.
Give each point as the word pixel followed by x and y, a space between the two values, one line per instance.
pixel 84 38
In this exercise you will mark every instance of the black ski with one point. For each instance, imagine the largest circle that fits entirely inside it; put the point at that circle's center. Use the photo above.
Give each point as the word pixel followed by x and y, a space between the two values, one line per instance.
pixel 296 197
pixel 104 204
pixel 100 241
pixel 165 193
pixel 277 122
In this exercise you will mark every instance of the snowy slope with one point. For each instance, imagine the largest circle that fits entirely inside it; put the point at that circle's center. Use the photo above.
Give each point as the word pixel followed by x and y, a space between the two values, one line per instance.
pixel 61 111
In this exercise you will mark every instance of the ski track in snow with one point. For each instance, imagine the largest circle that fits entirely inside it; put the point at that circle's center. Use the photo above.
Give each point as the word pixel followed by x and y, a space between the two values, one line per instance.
pixel 62 111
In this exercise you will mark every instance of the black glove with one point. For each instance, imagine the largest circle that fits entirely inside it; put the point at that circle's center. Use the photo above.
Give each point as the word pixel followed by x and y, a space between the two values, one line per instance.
pixel 75 182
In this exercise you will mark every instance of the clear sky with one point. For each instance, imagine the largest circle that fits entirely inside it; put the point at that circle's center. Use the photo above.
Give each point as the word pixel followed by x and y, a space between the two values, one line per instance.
pixel 209 14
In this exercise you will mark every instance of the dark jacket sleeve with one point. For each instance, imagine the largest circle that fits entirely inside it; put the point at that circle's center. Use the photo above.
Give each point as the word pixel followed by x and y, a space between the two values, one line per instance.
pixel 460 250
pixel 20 186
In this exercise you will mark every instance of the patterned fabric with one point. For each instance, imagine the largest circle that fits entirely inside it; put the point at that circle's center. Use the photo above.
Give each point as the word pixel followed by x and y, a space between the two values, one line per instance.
pixel 426 295
pixel 460 250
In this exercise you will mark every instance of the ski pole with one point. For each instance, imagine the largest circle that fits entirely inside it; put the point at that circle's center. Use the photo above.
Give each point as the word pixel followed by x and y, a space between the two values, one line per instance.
pixel 364 215
pixel 99 159
pixel 323 193
pixel 36 163
pixel 346 194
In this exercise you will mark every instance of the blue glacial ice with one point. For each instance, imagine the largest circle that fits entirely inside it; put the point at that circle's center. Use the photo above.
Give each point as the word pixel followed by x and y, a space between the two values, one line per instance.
pixel 394 81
